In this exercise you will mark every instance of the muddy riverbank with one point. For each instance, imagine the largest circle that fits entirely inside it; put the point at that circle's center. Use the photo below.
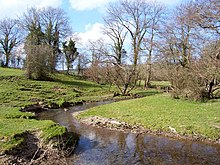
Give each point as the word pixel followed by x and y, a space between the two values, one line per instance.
pixel 34 151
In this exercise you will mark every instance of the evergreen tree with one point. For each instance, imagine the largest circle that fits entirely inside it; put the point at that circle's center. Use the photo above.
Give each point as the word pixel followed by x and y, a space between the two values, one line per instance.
pixel 70 52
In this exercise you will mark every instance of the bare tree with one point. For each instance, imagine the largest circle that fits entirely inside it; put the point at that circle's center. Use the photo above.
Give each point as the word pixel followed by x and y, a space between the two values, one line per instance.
pixel 117 34
pixel 98 56
pixel 191 50
pixel 10 37
pixel 133 15
pixel 127 20
pixel 116 72
pixel 211 61
pixel 104 69
pixel 207 14
pixel 180 34
pixel 152 39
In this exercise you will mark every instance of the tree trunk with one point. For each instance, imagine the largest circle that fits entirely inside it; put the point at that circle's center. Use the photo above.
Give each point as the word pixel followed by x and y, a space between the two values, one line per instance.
pixel 79 66
pixel 7 59
pixel 125 89
pixel 211 85
pixel 68 68
pixel 149 77
pixel 135 54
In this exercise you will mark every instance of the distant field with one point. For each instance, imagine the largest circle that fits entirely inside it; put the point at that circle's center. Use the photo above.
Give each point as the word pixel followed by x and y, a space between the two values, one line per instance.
pixel 161 83
pixel 4 72
pixel 155 84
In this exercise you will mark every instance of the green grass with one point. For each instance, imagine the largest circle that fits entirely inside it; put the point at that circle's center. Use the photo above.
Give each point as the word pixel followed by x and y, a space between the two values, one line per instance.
pixel 161 84
pixel 11 130
pixel 148 92
pixel 6 72
pixel 16 92
pixel 157 112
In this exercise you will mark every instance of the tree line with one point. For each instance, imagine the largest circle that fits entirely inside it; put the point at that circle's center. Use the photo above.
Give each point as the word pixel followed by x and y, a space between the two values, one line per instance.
pixel 43 33
pixel 146 41
pixel 150 41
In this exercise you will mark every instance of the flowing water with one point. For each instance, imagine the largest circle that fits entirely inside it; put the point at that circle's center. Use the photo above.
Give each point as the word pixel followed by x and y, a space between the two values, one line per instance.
pixel 98 146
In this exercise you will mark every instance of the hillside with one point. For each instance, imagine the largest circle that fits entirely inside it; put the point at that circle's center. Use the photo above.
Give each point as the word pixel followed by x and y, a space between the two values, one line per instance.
pixel 17 93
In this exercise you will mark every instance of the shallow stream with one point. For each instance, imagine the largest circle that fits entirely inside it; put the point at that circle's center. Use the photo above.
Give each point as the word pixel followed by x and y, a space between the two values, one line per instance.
pixel 98 146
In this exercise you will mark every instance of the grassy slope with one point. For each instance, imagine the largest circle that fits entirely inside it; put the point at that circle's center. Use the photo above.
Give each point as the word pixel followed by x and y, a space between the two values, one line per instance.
pixel 157 112
pixel 16 91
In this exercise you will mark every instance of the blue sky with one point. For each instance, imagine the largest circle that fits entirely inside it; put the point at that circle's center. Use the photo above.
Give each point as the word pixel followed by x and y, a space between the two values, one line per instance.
pixel 80 19
pixel 85 15
pixel 92 14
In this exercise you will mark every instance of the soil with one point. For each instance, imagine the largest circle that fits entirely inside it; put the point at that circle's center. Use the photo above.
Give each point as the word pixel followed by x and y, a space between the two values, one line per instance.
pixel 33 151
pixel 137 129
pixel 40 106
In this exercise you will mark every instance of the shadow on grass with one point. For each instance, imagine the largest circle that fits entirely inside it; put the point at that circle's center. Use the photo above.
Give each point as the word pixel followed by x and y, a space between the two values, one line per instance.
pixel 79 84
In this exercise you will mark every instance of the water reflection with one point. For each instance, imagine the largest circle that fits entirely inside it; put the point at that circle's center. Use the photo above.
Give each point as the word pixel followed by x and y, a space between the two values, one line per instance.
pixel 107 147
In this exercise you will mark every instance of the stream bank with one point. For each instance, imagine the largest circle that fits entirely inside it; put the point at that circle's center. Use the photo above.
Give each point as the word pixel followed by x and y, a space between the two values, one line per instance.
pixel 96 137
pixel 113 124
pixel 97 145
pixel 33 151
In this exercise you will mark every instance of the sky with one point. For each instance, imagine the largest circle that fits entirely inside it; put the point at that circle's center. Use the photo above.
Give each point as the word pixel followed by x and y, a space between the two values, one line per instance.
pixel 86 16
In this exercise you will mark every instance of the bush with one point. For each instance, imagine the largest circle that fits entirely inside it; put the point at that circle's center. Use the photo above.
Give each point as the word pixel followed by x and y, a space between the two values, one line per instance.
pixel 36 63
pixel 194 82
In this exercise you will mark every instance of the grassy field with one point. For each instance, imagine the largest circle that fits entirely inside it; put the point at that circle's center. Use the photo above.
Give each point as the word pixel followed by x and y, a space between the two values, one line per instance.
pixel 16 92
pixel 158 112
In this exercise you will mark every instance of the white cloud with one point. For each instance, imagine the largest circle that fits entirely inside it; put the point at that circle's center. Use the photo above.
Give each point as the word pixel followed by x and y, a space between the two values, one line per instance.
pixel 88 4
pixel 13 8
pixel 53 3
pixel 93 32
pixel 170 2
pixel 94 4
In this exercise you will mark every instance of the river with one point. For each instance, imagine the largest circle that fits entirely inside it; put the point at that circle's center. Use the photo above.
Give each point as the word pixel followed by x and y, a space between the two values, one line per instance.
pixel 98 146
